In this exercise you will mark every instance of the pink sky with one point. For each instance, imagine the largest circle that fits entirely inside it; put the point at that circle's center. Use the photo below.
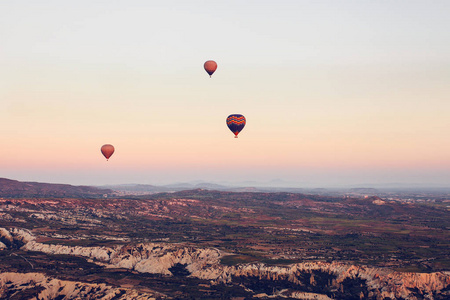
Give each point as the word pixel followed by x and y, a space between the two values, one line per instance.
pixel 333 94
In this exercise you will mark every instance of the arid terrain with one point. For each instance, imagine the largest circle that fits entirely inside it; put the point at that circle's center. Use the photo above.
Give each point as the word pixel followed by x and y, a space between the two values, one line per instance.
pixel 66 242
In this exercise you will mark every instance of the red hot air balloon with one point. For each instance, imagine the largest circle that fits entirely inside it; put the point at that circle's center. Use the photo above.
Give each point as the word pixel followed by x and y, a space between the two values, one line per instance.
pixel 210 67
pixel 107 150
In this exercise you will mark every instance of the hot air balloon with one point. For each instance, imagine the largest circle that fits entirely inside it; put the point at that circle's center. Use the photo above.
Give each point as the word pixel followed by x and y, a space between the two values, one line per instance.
pixel 210 67
pixel 107 150
pixel 236 123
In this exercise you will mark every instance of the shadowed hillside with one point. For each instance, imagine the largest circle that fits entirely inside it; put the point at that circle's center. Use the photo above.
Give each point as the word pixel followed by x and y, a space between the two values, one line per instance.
pixel 17 189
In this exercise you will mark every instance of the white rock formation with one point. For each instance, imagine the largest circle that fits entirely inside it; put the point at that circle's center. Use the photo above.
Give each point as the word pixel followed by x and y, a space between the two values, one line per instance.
pixel 148 258
pixel 98 253
pixel 23 235
pixel 380 282
pixel 205 264
pixel 308 296
pixel 49 288
pixel 5 234
pixel 379 202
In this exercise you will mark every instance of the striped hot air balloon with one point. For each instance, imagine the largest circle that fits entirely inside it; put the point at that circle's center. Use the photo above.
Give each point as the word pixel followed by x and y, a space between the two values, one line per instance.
pixel 236 123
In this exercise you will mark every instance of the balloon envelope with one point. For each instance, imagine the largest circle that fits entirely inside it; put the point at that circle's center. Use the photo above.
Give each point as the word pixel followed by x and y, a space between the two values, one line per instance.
pixel 210 67
pixel 107 150
pixel 236 123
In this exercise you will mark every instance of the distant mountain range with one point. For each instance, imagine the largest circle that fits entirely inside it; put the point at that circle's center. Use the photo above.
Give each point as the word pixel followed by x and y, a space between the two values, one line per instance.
pixel 140 189
pixel 16 189
pixel 176 187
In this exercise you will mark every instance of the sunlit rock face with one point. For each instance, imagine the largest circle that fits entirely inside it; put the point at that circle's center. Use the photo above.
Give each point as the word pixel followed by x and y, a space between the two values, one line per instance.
pixel 159 258
pixel 316 280
pixel 98 253
pixel 146 258
pixel 376 283
pixel 22 285
pixel 5 235
pixel 22 235
pixel 15 238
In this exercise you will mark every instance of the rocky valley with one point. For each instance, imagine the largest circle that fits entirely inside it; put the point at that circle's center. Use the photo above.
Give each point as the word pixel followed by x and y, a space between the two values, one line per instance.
pixel 202 244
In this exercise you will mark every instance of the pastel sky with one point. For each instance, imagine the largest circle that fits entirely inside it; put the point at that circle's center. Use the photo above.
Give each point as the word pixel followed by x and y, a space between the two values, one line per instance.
pixel 334 92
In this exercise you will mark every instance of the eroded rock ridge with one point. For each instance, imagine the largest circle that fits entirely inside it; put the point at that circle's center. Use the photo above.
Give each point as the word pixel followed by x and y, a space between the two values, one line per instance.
pixel 312 280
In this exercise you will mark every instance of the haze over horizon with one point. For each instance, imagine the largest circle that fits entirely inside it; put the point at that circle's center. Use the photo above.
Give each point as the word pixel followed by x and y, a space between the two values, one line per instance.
pixel 274 183
pixel 336 93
